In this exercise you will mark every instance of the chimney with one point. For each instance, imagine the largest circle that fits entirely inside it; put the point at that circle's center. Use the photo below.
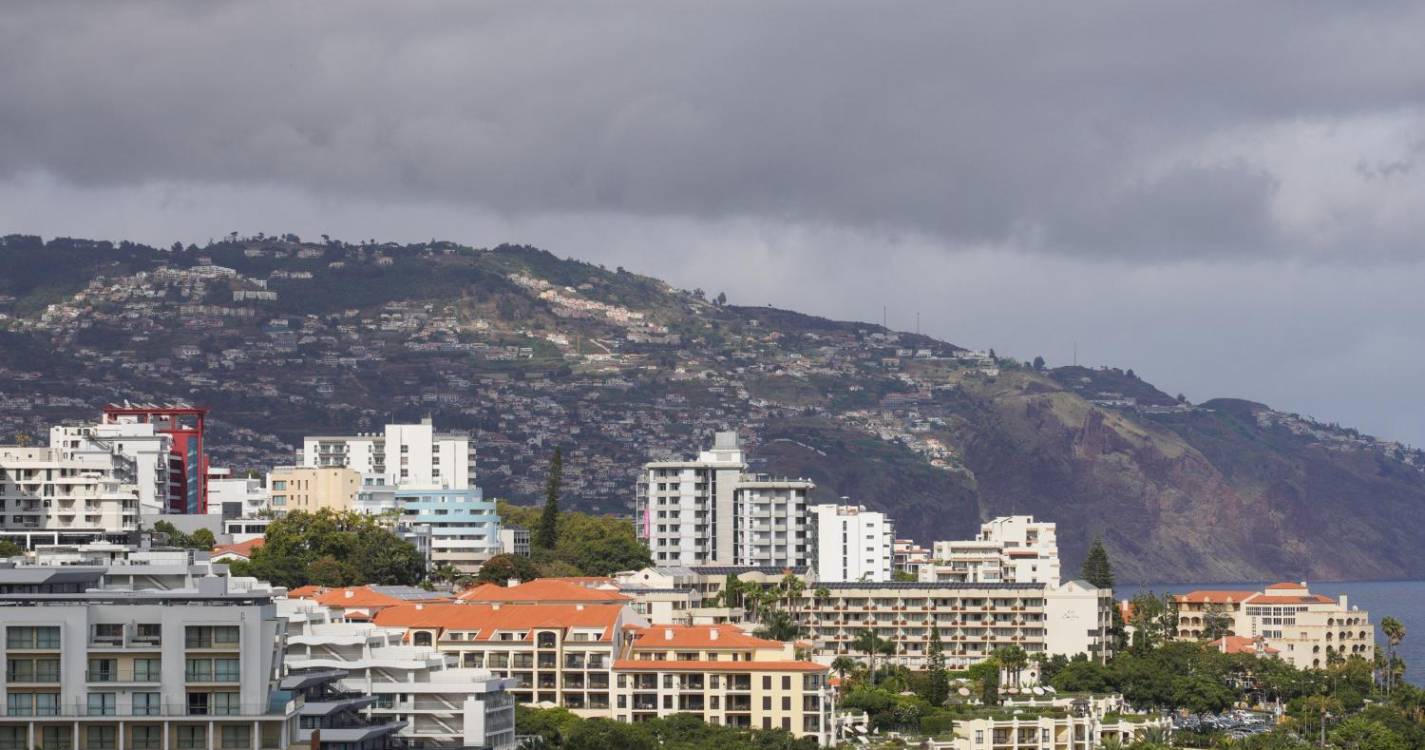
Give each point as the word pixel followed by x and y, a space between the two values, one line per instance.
pixel 667 634
pixel 420 607
pixel 712 634
pixel 513 582
pixel 578 608
pixel 350 594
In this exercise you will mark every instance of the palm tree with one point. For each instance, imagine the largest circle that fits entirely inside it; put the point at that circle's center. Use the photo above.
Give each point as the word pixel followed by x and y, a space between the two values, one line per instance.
pixel 1394 633
pixel 792 589
pixel 1013 659
pixel 821 595
pixel 841 665
pixel 870 644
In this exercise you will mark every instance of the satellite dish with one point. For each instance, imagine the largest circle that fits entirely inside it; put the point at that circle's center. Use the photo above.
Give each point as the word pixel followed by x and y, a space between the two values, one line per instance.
pixel 963 691
pixel 1050 689
pixel 1038 690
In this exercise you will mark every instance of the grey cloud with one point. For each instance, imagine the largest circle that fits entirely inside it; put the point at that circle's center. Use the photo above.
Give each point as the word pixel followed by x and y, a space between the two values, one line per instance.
pixel 980 125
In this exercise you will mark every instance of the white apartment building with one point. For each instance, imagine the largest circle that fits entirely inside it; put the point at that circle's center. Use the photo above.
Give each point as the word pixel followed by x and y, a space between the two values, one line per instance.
pixel 412 455
pixel 711 511
pixel 1009 549
pixel 157 471
pixel 852 544
pixel 140 670
pixel 235 497
pixel 1069 723
pixel 52 496
pixel 440 705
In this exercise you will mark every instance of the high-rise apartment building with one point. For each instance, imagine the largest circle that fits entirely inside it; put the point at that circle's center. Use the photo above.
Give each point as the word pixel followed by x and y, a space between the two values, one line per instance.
pixel 293 488
pixel 158 471
pixel 136 669
pixel 404 454
pixel 711 511
pixel 185 426
pixel 852 544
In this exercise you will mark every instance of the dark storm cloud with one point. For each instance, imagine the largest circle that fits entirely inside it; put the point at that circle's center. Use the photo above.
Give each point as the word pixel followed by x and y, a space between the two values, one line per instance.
pixel 1105 129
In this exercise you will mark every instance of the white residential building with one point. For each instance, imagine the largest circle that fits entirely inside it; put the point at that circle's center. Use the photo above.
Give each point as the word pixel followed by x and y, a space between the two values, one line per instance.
pixel 852 544
pixel 157 471
pixel 235 497
pixel 412 455
pixel 135 669
pixel 441 705
pixel 711 511
pixel 1009 549
pixel 50 496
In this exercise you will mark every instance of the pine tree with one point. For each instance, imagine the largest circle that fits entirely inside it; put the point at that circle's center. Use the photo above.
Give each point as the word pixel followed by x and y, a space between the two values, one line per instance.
pixel 548 533
pixel 1097 569
pixel 939 689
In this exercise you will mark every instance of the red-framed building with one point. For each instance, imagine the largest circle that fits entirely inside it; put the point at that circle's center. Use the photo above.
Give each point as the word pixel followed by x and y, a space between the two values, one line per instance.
pixel 186 425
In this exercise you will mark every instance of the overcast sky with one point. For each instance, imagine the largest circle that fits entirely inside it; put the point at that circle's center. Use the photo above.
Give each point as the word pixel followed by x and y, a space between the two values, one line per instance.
pixel 1227 198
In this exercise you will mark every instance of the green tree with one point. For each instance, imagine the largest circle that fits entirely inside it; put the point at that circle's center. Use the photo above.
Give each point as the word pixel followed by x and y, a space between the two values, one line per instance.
pixel 1014 659
pixel 1359 733
pixel 329 571
pixel 779 625
pixel 1096 568
pixel 603 734
pixel 1200 694
pixel 10 549
pixel 502 568
pixel 985 674
pixel 1394 631
pixel 843 665
pixel 938 690
pixel 367 552
pixel 202 539
pixel 547 535
pixel 1082 676
pixel 870 644
pixel 1216 622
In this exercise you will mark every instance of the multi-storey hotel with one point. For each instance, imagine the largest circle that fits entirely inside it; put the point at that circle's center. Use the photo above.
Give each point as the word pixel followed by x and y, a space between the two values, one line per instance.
pixel 187 669
pixel 711 511
pixel 1305 629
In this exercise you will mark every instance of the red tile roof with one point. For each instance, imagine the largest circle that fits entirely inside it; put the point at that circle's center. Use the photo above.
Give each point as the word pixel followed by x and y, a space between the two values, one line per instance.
pixel 1238 644
pixel 305 592
pixel 697 637
pixel 540 591
pixel 1291 599
pixel 243 549
pixel 1286 585
pixel 634 665
pixel 488 619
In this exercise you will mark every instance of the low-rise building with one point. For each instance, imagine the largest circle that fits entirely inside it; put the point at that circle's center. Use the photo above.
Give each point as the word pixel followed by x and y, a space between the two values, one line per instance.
pixel 1061 723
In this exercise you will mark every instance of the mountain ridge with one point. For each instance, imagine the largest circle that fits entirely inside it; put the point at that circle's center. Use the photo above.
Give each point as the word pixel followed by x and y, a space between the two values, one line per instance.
pixel 526 349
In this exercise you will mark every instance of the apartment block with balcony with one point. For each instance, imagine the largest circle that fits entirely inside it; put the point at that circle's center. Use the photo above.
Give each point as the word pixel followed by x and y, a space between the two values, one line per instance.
pixel 49 496
pixel 1008 549
pixel 724 676
pixel 459 527
pixel 1060 723
pixel 561 654
pixel 711 511
pixel 185 669
pixel 852 543
pixel 437 705
pixel 973 618
pixel 403 454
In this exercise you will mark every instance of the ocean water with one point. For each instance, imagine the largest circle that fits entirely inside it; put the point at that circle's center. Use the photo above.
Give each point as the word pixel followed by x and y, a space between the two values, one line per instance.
pixel 1403 600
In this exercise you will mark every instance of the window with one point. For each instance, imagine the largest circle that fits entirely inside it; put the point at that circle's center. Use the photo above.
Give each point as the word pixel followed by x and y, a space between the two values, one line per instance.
pixel 197 704
pixel 192 737
pixel 767 682
pixel 226 670
pixel 786 703
pixel 46 637
pixel 198 670
pixel 103 670
pixel 148 670
pixel 101 704
pixel 236 738
pixel 786 682
pixel 146 704
pixel 101 738
pixel 147 738
pixel 226 704
pixel 766 703
pixel 148 632
pixel 14 738
pixel 56 738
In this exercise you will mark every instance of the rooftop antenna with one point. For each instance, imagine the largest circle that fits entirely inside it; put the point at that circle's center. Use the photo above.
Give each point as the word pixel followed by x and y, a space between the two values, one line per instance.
pixel 917 322
pixel 1076 354
pixel 883 316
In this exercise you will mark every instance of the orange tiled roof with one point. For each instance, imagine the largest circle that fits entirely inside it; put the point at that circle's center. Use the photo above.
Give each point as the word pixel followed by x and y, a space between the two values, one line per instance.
pixel 1238 644
pixel 1215 597
pixel 1286 585
pixel 241 548
pixel 305 592
pixel 697 637
pixel 588 581
pixel 633 665
pixel 488 619
pixel 541 590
